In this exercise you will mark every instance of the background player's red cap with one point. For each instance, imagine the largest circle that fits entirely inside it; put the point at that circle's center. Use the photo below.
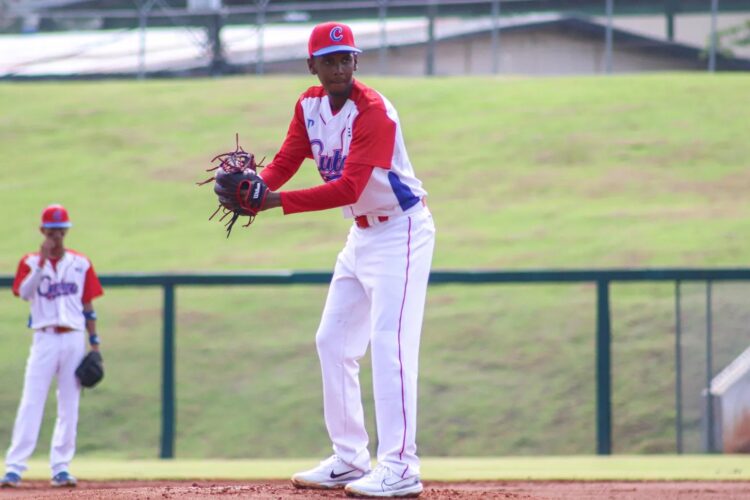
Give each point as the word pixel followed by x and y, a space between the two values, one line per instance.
pixel 328 38
pixel 55 216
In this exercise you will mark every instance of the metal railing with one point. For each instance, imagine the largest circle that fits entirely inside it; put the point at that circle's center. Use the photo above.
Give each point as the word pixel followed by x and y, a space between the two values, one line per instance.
pixel 602 278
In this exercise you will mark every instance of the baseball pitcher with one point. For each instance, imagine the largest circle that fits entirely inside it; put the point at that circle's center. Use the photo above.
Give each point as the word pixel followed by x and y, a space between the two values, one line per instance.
pixel 377 294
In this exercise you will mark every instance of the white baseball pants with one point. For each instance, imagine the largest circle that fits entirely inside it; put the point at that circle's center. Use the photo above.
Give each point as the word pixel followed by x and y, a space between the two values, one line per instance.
pixel 377 296
pixel 52 354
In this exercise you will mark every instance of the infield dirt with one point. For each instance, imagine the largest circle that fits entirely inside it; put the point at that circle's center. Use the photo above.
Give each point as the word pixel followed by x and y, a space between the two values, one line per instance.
pixel 527 490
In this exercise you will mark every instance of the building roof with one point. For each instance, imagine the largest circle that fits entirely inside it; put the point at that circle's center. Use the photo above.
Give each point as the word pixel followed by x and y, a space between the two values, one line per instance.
pixel 181 51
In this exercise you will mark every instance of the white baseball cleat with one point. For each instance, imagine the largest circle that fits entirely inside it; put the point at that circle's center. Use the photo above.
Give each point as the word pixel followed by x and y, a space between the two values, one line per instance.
pixel 383 482
pixel 331 473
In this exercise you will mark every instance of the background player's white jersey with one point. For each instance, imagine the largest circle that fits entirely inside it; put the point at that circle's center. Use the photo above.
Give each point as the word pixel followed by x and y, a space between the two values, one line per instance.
pixel 393 188
pixel 57 293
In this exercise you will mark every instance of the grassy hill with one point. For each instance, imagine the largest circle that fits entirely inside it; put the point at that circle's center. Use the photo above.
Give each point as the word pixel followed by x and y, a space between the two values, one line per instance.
pixel 579 172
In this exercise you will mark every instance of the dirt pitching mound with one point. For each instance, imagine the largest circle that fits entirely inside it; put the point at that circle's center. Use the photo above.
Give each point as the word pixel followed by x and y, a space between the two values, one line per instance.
pixel 533 490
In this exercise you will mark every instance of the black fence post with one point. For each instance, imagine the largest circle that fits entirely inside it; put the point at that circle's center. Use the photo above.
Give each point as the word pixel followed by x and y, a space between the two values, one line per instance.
pixel 678 365
pixel 167 378
pixel 710 424
pixel 603 370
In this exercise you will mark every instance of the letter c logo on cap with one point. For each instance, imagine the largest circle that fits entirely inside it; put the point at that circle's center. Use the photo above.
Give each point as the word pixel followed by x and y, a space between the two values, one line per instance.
pixel 337 34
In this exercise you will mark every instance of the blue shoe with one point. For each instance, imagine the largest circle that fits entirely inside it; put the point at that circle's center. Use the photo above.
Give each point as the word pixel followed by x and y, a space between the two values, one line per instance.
pixel 10 480
pixel 63 479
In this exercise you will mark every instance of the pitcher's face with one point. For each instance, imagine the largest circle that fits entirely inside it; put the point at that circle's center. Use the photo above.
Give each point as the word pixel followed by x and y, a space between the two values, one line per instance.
pixel 335 72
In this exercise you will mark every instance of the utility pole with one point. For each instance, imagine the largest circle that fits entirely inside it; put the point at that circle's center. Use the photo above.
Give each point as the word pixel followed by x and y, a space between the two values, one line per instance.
pixel 714 36
pixel 383 50
pixel 260 63
pixel 430 57
pixel 608 38
pixel 495 37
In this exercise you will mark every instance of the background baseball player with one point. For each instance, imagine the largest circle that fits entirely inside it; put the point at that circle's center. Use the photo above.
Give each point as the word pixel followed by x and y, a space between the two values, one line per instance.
pixel 378 290
pixel 60 285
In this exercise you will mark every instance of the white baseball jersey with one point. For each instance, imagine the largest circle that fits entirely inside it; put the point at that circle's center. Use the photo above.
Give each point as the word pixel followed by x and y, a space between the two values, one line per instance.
pixel 57 291
pixel 365 131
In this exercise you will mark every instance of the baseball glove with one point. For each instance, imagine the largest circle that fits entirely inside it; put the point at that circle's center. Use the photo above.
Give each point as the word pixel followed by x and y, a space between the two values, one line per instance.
pixel 91 369
pixel 239 188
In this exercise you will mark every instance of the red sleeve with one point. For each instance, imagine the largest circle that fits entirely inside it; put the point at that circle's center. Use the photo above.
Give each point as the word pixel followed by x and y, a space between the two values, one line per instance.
pixel 92 288
pixel 343 191
pixel 294 150
pixel 374 138
pixel 21 273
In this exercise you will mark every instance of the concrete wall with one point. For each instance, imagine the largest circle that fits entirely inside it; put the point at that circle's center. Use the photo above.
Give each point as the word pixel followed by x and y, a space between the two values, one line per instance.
pixel 539 52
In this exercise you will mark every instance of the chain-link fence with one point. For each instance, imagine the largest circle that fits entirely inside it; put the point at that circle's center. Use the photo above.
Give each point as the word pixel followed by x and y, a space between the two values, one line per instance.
pixel 399 37
pixel 714 331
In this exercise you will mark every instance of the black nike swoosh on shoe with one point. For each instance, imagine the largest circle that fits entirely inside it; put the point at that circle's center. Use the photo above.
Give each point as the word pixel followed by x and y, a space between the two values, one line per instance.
pixel 336 476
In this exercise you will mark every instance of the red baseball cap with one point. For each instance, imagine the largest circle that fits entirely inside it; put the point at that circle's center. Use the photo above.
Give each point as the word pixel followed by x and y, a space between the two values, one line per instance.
pixel 331 37
pixel 55 217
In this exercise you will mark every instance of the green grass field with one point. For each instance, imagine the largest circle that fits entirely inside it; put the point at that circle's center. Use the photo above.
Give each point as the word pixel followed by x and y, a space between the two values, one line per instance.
pixel 631 171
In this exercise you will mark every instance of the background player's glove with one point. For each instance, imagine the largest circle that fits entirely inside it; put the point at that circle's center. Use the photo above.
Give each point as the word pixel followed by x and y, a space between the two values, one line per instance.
pixel 241 191
pixel 91 369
